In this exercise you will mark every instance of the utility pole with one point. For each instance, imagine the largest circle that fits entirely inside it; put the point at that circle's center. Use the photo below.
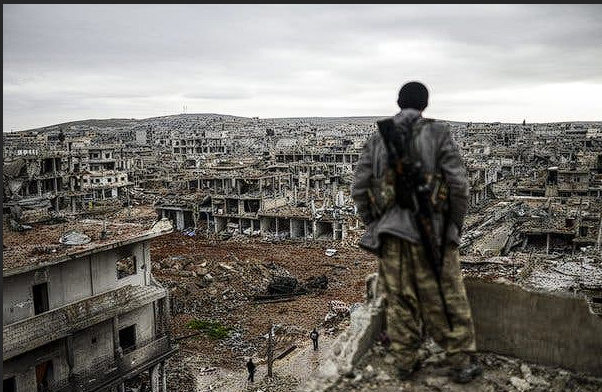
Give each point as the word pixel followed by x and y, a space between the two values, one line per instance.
pixel 270 350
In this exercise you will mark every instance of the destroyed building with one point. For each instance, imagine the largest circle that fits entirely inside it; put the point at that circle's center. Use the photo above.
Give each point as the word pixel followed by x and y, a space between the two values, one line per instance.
pixel 81 309
pixel 557 182
pixel 33 185
pixel 75 179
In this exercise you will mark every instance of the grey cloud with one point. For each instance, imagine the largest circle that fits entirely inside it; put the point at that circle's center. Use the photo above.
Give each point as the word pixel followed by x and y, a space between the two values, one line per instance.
pixel 217 95
pixel 283 60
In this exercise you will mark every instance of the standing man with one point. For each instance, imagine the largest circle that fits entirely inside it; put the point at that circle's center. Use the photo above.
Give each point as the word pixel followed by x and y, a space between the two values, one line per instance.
pixel 314 337
pixel 411 191
pixel 251 369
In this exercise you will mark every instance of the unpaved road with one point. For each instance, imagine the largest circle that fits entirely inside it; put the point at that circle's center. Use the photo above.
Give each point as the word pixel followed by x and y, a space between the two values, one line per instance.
pixel 294 370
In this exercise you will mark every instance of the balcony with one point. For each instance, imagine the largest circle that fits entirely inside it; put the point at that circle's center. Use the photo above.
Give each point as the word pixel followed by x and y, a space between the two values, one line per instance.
pixel 109 372
pixel 33 332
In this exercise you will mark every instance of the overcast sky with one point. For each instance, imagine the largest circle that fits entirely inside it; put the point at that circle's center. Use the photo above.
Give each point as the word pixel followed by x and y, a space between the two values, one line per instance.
pixel 481 63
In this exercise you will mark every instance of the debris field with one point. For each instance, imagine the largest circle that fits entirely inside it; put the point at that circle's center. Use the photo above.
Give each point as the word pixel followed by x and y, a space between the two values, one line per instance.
pixel 227 282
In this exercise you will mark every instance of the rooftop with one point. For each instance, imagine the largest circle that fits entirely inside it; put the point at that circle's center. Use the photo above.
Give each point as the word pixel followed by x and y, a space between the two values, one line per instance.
pixel 40 246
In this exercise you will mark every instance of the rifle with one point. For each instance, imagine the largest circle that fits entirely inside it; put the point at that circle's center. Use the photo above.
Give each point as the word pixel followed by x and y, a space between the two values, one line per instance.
pixel 409 176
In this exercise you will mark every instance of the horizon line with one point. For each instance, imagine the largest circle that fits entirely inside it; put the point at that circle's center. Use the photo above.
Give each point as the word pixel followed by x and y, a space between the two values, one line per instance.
pixel 287 117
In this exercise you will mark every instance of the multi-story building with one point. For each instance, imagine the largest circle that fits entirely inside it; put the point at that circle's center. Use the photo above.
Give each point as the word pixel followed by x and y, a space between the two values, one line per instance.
pixel 81 310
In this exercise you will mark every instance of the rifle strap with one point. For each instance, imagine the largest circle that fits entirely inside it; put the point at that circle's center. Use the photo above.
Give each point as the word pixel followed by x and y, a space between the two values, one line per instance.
pixel 399 142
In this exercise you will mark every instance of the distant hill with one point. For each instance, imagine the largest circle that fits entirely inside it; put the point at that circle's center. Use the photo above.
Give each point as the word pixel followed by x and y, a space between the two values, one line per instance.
pixel 126 122
pixel 112 123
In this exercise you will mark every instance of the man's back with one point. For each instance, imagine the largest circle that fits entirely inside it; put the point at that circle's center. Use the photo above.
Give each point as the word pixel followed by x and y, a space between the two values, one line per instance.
pixel 433 146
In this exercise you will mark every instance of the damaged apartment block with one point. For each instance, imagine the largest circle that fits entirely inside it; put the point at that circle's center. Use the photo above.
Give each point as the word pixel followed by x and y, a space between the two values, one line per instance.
pixel 74 179
pixel 82 311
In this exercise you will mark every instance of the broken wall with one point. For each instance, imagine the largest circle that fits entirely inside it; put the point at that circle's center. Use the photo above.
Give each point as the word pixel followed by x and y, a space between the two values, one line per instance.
pixel 551 329
pixel 269 204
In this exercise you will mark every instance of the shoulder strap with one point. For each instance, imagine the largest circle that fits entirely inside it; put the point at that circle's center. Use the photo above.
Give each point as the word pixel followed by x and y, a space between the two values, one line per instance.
pixel 391 138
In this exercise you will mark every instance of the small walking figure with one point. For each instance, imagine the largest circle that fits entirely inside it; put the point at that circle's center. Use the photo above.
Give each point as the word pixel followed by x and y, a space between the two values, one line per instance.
pixel 251 369
pixel 314 337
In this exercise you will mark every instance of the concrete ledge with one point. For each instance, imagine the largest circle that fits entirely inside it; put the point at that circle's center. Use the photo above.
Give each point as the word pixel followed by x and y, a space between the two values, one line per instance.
pixel 553 329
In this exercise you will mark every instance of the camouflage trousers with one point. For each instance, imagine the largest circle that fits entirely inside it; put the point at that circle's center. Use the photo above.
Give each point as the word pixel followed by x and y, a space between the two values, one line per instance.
pixel 414 304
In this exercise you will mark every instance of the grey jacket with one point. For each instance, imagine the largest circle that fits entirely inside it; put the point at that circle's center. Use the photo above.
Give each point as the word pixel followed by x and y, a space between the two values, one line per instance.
pixel 438 153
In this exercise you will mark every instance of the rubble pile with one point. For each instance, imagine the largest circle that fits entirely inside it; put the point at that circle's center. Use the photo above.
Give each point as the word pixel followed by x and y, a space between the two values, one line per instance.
pixel 376 372
pixel 180 374
pixel 337 317
pixel 142 214
pixel 562 273
pixel 218 281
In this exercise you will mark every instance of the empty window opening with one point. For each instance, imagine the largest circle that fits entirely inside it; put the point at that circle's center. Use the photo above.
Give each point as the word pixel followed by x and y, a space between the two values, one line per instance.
pixel 324 230
pixel 40 298
pixel 232 206
pixel 43 376
pixel 249 186
pixel 552 177
pixel 268 225
pixel 218 207
pixel 597 300
pixel 297 228
pixel 284 227
pixel 127 338
pixel 252 205
pixel 47 166
pixel 9 385
pixel 126 266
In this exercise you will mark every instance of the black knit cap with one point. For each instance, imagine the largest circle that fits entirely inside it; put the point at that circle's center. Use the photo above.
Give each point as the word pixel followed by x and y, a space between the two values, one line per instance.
pixel 413 95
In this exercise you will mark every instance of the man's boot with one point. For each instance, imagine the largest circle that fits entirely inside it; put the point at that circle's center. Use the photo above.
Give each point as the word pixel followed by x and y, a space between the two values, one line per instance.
pixel 464 368
pixel 406 373
pixel 467 373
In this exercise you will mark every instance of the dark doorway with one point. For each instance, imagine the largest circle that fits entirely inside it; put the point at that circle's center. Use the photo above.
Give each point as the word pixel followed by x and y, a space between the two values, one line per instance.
pixel 552 176
pixel 43 376
pixel 40 298
pixel 127 338
pixel 9 385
